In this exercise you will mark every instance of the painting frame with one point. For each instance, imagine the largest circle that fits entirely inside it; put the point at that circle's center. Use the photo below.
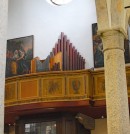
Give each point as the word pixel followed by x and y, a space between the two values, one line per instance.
pixel 19 53
pixel 98 55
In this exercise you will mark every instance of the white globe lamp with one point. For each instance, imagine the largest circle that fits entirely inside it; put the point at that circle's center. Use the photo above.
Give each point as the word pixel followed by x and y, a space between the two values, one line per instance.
pixel 58 2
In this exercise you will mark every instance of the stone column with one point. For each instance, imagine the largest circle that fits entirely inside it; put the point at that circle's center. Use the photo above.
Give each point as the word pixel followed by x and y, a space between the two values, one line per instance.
pixel 112 25
pixel 3 39
pixel 115 82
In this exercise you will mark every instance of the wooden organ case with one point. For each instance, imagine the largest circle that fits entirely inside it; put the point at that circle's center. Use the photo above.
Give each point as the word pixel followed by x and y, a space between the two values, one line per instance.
pixel 64 56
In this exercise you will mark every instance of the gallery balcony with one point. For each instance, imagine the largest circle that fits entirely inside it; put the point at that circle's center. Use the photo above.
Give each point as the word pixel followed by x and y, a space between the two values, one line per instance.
pixel 74 91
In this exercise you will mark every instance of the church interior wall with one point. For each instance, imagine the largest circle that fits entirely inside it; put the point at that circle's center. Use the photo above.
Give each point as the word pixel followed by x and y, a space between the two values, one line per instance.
pixel 46 22
pixel 100 126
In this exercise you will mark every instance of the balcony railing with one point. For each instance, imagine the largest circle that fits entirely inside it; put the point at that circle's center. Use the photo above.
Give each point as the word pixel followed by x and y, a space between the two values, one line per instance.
pixel 47 86
pixel 57 86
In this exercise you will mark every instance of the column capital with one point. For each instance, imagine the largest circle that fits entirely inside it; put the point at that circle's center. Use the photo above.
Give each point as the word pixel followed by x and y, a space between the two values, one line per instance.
pixel 113 39
pixel 112 31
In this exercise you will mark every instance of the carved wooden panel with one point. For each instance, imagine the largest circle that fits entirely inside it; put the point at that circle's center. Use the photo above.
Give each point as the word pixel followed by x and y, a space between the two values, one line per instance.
pixel 11 91
pixel 53 87
pixel 88 85
pixel 99 86
pixel 75 85
pixel 28 89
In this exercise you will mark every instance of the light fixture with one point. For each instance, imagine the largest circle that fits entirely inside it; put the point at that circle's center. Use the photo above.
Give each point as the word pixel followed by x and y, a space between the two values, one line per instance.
pixel 102 117
pixel 58 2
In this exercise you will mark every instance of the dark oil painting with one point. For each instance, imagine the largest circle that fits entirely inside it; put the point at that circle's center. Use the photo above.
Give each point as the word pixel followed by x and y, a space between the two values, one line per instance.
pixel 76 86
pixel 97 48
pixel 19 54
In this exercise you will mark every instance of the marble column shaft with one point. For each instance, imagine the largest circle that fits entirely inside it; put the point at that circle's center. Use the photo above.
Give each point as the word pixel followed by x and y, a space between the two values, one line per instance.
pixel 115 82
pixel 3 40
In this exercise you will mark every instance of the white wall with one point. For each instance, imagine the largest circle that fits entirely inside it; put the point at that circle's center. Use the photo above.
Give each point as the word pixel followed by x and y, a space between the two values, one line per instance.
pixel 46 22
pixel 100 127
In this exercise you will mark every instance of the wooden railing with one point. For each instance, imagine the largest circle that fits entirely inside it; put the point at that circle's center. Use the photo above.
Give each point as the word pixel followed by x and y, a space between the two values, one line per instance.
pixel 47 87
pixel 98 90
pixel 57 86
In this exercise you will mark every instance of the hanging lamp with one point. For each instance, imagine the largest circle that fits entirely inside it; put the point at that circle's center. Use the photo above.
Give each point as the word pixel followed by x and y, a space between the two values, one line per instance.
pixel 58 2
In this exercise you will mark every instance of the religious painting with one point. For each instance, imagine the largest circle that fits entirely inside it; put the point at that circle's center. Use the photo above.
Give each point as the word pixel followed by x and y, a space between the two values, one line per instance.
pixel 97 48
pixel 127 51
pixel 76 85
pixel 19 54
pixel 53 87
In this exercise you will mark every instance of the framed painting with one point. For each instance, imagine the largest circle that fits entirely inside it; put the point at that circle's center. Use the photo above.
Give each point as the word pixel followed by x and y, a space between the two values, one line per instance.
pixel 97 48
pixel 19 54
pixel 127 50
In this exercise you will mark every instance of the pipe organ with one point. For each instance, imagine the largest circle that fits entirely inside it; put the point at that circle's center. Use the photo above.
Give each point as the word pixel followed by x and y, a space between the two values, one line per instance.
pixel 64 56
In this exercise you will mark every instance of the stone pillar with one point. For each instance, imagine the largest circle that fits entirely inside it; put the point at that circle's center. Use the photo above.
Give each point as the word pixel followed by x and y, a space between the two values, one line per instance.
pixel 112 25
pixel 115 82
pixel 3 40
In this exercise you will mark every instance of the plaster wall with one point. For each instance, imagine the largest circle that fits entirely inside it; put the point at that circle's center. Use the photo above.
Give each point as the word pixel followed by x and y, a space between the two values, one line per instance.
pixel 46 22
pixel 100 127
